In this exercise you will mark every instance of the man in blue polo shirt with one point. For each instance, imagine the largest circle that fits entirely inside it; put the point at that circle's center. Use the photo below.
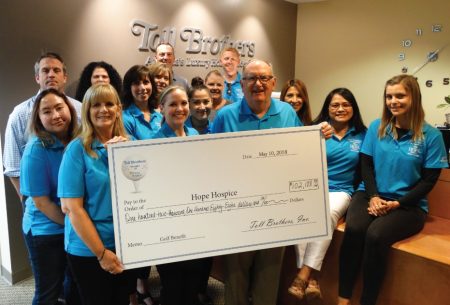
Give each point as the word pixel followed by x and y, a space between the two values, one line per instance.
pixel 257 110
pixel 230 60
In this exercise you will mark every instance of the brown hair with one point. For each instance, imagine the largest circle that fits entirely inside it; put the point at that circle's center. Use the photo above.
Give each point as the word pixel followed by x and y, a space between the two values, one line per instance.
pixel 416 114
pixel 304 114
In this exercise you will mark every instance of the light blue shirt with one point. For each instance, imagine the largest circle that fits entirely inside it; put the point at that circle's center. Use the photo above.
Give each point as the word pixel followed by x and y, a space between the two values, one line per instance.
pixel 16 134
pixel 81 175
pixel 207 130
pixel 342 160
pixel 39 177
pixel 167 132
pixel 239 117
pixel 233 91
pixel 398 163
pixel 137 126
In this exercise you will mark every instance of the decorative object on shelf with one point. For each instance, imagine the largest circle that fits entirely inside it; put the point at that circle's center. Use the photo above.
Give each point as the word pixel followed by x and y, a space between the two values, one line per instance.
pixel 445 106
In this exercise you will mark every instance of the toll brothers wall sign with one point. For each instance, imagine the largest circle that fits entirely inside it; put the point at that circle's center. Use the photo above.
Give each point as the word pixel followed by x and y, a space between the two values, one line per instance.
pixel 195 41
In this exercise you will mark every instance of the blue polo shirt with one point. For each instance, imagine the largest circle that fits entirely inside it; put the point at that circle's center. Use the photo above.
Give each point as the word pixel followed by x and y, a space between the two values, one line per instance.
pixel 342 160
pixel 236 93
pixel 137 126
pixel 239 117
pixel 398 163
pixel 167 132
pixel 188 123
pixel 39 177
pixel 81 175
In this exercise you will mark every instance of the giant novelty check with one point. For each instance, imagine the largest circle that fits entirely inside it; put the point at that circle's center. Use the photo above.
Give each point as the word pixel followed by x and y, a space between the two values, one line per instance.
pixel 189 197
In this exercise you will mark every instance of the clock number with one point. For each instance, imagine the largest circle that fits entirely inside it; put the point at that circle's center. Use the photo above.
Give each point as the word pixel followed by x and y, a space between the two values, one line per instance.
pixel 446 81
pixel 429 83
pixel 419 32
pixel 401 56
pixel 406 43
pixel 436 28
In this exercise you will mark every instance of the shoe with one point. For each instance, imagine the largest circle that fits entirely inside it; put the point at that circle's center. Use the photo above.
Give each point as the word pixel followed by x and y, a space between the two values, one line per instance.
pixel 143 297
pixel 313 294
pixel 298 287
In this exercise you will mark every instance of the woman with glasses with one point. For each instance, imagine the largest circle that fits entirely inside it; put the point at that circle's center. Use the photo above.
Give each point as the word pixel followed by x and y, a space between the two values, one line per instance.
pixel 214 80
pixel 401 159
pixel 294 92
pixel 341 111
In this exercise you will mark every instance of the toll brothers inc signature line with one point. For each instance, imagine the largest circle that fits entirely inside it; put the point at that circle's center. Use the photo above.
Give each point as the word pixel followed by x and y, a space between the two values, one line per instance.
pixel 270 223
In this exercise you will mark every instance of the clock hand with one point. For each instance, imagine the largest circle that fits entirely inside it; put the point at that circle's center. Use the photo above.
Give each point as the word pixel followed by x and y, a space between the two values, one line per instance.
pixel 430 57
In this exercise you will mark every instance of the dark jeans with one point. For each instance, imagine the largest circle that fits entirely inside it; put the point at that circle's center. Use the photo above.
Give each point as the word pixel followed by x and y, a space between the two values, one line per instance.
pixel 48 261
pixel 98 287
pixel 181 281
pixel 367 239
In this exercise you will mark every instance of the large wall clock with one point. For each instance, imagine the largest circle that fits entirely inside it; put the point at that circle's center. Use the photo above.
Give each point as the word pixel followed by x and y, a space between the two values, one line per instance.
pixel 431 55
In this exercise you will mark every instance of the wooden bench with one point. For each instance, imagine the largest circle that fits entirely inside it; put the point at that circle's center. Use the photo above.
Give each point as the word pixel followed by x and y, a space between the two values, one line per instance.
pixel 418 271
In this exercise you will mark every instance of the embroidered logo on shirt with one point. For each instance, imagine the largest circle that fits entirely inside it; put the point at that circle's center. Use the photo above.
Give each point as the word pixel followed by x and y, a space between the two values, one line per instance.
pixel 355 145
pixel 415 149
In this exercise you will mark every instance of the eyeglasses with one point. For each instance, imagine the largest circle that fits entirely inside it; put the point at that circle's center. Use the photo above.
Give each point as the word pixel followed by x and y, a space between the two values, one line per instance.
pixel 262 78
pixel 343 105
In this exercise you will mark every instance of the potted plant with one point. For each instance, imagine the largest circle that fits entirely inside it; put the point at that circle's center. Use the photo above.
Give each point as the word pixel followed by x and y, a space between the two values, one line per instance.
pixel 446 105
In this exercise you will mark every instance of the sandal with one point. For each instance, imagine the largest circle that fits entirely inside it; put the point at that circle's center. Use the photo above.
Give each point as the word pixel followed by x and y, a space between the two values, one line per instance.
pixel 313 294
pixel 298 288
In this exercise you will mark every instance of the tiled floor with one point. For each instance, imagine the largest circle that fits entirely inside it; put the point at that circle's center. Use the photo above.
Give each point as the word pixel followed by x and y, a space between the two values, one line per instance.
pixel 22 293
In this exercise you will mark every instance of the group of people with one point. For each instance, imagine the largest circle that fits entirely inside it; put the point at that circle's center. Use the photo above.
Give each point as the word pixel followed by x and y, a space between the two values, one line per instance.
pixel 62 177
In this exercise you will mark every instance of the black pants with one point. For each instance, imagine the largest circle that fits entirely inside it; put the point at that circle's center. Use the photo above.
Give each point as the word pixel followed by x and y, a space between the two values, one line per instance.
pixel 98 287
pixel 368 239
pixel 181 281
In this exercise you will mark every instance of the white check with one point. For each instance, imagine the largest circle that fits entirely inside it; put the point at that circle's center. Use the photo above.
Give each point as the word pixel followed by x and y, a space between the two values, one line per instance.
pixel 189 197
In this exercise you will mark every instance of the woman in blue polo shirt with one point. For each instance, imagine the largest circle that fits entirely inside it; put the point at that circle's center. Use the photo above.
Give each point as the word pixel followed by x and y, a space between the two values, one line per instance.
pixel 401 159
pixel 52 128
pixel 341 111
pixel 139 116
pixel 142 121
pixel 180 280
pixel 85 192
pixel 200 106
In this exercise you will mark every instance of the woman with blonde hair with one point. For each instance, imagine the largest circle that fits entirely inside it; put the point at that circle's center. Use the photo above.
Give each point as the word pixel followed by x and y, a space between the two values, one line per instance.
pixel 85 192
pixel 401 159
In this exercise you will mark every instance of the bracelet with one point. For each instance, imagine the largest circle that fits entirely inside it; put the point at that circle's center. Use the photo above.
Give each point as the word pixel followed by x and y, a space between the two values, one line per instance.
pixel 103 254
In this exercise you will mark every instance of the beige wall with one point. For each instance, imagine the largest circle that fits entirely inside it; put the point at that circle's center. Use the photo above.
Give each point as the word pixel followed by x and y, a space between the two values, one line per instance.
pixel 91 30
pixel 355 44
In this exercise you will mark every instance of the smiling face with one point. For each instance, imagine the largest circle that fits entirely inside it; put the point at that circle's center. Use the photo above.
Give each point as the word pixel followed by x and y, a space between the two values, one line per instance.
pixel 162 80
pixel 293 97
pixel 175 108
pixel 99 76
pixel 51 74
pixel 340 110
pixel 398 100
pixel 200 105
pixel 141 90
pixel 165 54
pixel 54 115
pixel 215 85
pixel 103 114
pixel 258 83
pixel 230 62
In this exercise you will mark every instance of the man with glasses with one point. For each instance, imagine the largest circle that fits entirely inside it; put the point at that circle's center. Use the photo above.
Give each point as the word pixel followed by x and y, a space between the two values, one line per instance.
pixel 230 60
pixel 257 110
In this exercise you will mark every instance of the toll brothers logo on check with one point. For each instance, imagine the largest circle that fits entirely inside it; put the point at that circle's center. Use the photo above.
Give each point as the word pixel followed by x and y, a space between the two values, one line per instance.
pixel 134 168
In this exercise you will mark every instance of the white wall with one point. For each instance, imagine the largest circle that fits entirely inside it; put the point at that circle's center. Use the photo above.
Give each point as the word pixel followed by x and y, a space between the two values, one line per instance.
pixel 356 43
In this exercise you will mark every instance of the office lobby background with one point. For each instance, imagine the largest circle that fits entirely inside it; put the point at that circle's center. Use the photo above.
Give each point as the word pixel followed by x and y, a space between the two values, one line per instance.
pixel 331 43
